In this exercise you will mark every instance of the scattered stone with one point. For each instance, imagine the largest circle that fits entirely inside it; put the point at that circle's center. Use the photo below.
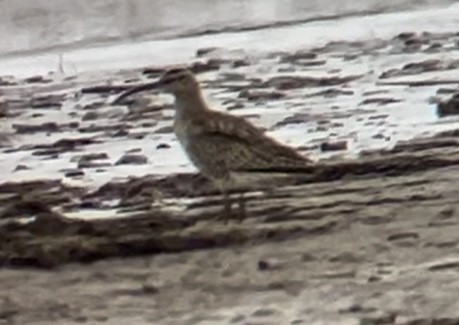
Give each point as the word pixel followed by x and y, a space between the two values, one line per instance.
pixel 447 91
pixel 235 105
pixel 105 89
pixel 449 107
pixel 89 116
pixel 120 133
pixel 420 67
pixel 49 101
pixel 294 82
pixel 163 146
pixel 150 289
pixel 26 208
pixel 164 130
pixel 294 119
pixel 239 63
pixel 48 127
pixel 269 264
pixel 261 95
pixel 332 93
pixel 4 82
pixel 132 159
pixel 434 321
pixel 88 161
pixel 94 105
pixel 434 47
pixel 265 312
pixel 380 101
pixel 206 50
pixel 21 167
pixel 333 146
pixel 444 266
pixel 403 236
pixel 4 109
pixel 71 173
pixel 298 56
pixel 37 79
pixel 383 319
pixel 209 65
pixel 94 128
pixel 52 153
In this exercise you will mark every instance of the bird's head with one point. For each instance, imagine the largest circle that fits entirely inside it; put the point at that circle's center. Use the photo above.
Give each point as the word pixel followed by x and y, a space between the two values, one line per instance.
pixel 176 81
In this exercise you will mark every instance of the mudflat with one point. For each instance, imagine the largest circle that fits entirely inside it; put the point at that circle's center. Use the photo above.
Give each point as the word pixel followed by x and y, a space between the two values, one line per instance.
pixel 103 221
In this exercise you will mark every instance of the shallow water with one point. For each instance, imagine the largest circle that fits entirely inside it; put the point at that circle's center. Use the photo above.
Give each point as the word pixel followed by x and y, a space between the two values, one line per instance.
pixel 43 24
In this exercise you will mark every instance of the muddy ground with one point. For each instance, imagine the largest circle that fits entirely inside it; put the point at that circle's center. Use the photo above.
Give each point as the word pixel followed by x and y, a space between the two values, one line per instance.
pixel 373 241
pixel 366 237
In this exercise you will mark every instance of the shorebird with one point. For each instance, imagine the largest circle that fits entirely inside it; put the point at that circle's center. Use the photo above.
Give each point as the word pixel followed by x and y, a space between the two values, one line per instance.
pixel 221 146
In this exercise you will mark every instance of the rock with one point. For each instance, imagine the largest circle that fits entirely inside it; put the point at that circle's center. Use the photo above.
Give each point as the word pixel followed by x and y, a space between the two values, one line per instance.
pixel 164 130
pixel 121 133
pixel 73 173
pixel 239 63
pixel 294 119
pixel 29 128
pixel 163 146
pixel 381 319
pixel 49 101
pixel 88 161
pixel 298 56
pixel 93 128
pixel 105 89
pixel 37 79
pixel 405 35
pixel 94 105
pixel 235 105
pixel 132 159
pixel 4 82
pixel 89 116
pixel 380 101
pixel 294 82
pixel 60 146
pixel 261 95
pixel 449 107
pixel 333 146
pixel 378 117
pixel 209 65
pixel 206 50
pixel 420 67
pixel 26 208
pixel 434 47
pixel 270 264
pixel 21 167
pixel 447 91
pixel 332 93
pixel 51 153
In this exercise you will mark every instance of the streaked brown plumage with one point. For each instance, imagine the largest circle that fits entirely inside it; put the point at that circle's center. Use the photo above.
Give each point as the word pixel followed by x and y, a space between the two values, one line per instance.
pixel 220 145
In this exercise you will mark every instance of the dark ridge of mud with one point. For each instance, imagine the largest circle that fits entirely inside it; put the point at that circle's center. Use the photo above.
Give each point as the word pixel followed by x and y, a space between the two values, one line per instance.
pixel 48 239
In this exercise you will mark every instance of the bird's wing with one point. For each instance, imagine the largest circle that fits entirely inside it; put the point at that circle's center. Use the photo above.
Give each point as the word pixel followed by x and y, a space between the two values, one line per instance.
pixel 258 151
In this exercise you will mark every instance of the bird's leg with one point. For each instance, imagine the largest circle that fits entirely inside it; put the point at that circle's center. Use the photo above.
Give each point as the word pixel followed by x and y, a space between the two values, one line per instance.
pixel 242 210
pixel 226 203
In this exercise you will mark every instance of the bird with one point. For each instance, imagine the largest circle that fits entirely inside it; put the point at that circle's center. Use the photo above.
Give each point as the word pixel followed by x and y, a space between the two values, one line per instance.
pixel 223 147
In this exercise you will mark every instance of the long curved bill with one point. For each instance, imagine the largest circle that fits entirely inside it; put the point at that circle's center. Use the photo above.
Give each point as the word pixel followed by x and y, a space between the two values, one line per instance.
pixel 137 89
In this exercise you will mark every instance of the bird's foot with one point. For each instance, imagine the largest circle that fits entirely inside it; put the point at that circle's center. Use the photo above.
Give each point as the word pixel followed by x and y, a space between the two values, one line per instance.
pixel 229 214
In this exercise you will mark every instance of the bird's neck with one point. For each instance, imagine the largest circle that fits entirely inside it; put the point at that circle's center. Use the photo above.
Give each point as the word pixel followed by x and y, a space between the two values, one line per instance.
pixel 190 104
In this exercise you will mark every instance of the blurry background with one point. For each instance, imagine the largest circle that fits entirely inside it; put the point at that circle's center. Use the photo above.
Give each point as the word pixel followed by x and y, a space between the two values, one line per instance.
pixel 42 24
